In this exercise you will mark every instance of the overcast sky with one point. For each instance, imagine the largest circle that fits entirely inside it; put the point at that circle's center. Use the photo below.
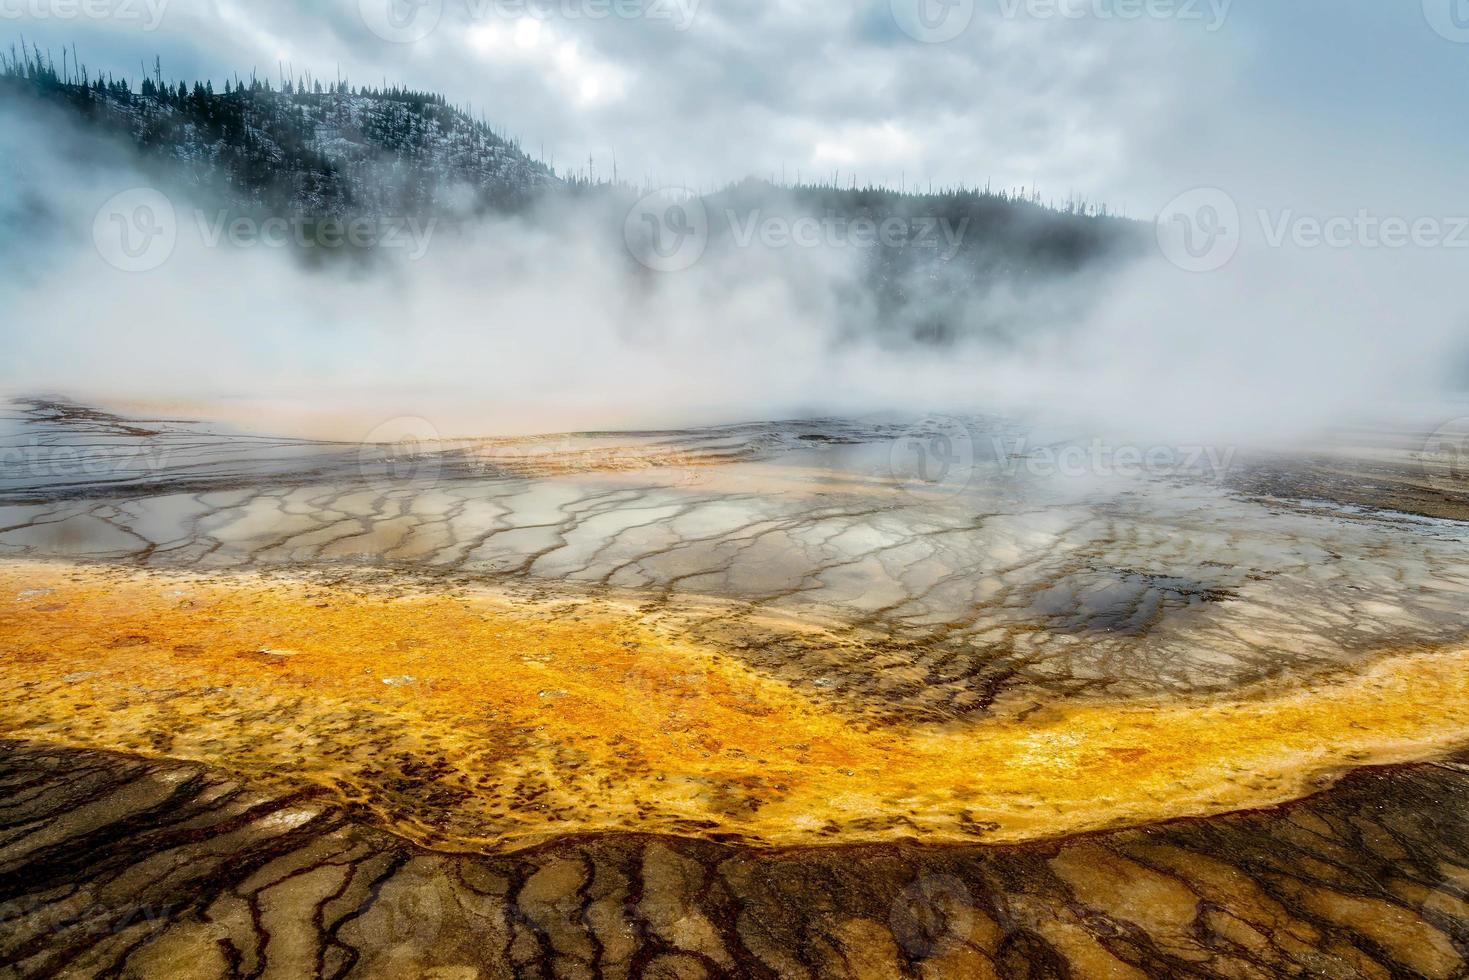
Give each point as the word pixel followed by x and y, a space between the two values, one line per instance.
pixel 1128 101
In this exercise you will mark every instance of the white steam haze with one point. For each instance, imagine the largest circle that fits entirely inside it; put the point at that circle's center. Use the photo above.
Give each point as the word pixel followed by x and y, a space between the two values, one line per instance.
pixel 543 324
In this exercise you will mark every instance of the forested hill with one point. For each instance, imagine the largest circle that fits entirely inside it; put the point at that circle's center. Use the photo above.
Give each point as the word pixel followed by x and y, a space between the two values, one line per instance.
pixel 967 260
pixel 300 146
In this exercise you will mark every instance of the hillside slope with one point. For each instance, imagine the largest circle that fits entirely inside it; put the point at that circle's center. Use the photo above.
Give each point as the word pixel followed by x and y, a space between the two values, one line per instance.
pixel 306 152
pixel 966 263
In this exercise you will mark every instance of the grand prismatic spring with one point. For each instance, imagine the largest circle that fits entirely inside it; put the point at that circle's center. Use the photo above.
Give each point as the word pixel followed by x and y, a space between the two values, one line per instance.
pixel 767 700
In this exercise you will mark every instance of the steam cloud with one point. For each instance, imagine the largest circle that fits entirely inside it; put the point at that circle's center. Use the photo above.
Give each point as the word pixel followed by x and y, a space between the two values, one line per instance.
pixel 543 323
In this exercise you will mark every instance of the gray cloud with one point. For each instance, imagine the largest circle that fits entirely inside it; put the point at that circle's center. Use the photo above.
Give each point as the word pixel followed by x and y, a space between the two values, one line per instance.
pixel 795 85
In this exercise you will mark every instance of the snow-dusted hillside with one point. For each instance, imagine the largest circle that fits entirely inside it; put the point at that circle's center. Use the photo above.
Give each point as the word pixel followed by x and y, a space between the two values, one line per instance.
pixel 950 264
pixel 316 152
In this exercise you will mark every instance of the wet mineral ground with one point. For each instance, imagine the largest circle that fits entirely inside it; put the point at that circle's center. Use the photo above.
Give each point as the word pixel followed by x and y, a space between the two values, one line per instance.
pixel 935 698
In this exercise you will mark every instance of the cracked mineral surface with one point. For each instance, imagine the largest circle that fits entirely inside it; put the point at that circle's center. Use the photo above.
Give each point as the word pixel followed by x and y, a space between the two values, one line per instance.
pixel 751 701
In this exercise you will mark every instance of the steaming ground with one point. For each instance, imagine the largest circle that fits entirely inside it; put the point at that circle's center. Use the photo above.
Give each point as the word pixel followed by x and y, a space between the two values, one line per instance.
pixel 1118 632
pixel 818 633
pixel 995 566
pixel 545 323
